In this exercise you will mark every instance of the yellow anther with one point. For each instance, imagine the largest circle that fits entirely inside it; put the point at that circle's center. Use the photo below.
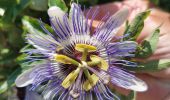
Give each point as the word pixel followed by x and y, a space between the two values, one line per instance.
pixel 65 59
pixel 83 47
pixel 103 65
pixel 88 85
pixel 100 63
pixel 70 79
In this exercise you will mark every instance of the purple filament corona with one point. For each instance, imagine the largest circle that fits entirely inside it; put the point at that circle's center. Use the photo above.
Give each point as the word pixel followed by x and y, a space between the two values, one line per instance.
pixel 71 29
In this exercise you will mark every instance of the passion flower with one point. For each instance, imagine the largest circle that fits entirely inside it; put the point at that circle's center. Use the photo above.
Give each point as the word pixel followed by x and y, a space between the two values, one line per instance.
pixel 76 63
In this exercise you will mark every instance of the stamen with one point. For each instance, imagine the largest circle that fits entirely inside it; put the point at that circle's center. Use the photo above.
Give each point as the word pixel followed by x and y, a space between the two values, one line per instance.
pixel 103 65
pixel 84 66
pixel 65 59
pixel 70 79
pixel 93 63
pixel 82 47
pixel 104 77
pixel 75 92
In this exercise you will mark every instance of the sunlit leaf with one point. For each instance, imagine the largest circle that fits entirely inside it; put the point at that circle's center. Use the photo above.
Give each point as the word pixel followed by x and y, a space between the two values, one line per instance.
pixel 59 3
pixel 149 45
pixel 136 26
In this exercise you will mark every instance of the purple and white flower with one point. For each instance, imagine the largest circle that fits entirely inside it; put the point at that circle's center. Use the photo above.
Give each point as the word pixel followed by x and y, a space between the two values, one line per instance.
pixel 78 64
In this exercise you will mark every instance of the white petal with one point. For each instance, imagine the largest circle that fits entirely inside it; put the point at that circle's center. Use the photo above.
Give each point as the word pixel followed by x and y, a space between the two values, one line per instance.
pixel 28 76
pixel 127 80
pixel 55 11
pixel 24 79
pixel 139 85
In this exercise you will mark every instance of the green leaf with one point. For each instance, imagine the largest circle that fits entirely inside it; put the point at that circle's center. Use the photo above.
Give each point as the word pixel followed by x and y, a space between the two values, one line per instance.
pixel 149 45
pixel 155 65
pixel 10 81
pixel 39 5
pixel 59 3
pixel 21 59
pixel 7 3
pixel 132 95
pixel 136 26
pixel 3 87
pixel 12 11
pixel 155 1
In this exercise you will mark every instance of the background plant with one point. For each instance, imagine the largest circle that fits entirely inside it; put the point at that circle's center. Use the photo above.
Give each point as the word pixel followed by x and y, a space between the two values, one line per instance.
pixel 15 18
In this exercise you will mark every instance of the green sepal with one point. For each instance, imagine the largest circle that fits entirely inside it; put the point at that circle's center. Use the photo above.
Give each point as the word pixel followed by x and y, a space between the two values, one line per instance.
pixel 60 3
pixel 155 65
pixel 130 96
pixel 148 46
pixel 134 29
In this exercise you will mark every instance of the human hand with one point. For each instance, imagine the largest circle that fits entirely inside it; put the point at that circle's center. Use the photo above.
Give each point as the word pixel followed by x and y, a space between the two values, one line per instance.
pixel 158 82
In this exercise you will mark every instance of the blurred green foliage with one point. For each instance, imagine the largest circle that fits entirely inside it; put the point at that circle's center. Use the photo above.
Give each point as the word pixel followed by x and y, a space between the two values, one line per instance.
pixel 12 36
pixel 12 31
pixel 163 4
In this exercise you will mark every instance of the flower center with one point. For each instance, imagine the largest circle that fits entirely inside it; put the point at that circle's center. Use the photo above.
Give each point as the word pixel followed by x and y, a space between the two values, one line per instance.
pixel 93 69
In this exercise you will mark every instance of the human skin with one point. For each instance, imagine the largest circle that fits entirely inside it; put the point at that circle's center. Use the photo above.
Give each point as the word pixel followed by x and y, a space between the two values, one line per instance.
pixel 158 82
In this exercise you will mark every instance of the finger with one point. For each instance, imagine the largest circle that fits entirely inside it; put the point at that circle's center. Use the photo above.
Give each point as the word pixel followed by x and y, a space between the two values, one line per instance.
pixel 110 8
pixel 167 97
pixel 156 88
pixel 163 74
pixel 163 48
pixel 159 56
pixel 155 19
pixel 163 40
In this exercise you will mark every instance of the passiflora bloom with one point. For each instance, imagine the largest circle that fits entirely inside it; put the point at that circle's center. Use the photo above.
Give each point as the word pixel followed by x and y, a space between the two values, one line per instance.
pixel 78 64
